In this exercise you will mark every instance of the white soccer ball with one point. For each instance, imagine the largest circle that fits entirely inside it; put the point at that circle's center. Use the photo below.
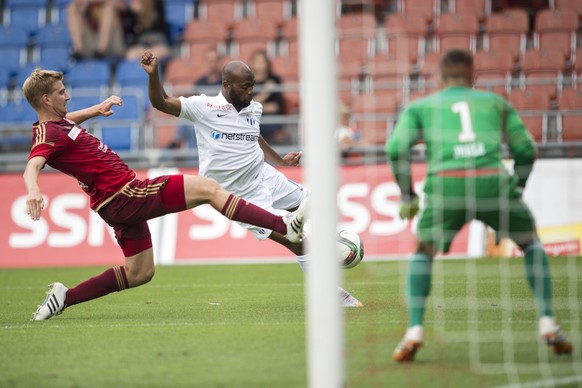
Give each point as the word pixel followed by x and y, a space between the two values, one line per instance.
pixel 350 247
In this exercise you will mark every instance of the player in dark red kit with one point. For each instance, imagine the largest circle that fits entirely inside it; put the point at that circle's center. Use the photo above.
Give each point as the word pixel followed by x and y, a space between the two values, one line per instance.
pixel 122 200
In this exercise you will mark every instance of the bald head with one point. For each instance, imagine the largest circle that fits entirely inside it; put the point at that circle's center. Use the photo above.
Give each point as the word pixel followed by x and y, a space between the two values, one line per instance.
pixel 237 84
pixel 235 70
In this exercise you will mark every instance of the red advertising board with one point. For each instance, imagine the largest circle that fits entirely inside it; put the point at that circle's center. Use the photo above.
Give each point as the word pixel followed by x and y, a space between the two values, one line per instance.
pixel 69 233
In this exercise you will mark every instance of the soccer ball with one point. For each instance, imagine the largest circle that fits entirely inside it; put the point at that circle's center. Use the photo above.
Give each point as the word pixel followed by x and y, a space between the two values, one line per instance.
pixel 350 247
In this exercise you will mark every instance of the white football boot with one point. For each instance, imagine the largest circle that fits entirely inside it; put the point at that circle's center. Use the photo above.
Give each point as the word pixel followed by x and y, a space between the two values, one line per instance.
pixel 53 304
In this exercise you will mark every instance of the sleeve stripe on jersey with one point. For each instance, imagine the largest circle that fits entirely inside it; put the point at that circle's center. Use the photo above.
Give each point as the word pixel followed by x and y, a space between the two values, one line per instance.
pixel 40 134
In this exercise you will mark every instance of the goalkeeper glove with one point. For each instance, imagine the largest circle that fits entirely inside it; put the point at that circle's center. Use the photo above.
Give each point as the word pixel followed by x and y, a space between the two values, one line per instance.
pixel 409 208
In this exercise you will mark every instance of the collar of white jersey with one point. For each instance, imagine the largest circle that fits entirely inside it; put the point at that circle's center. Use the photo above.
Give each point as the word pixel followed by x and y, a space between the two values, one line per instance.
pixel 222 101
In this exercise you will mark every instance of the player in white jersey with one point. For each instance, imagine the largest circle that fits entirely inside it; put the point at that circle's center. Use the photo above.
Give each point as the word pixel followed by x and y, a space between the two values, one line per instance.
pixel 231 149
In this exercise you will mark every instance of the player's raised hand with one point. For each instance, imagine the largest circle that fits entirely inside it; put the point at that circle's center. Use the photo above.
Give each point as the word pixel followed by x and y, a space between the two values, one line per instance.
pixel 292 159
pixel 149 62
pixel 104 108
pixel 34 204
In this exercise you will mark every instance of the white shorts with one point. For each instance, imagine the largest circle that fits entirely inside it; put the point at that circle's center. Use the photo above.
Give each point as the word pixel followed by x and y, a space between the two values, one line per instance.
pixel 274 192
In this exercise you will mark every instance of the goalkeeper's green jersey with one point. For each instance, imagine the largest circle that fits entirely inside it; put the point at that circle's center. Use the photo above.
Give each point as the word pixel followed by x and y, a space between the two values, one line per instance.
pixel 463 129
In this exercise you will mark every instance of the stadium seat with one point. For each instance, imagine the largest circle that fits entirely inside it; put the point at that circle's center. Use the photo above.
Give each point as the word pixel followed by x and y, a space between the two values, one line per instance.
pixel 254 34
pixel 429 9
pixel 4 79
pixel 53 47
pixel 389 76
pixel 121 130
pixel 13 42
pixel 27 15
pixel 493 71
pixel 18 113
pixel 22 74
pixel 228 11
pixel 84 99
pixel 574 6
pixel 89 74
pixel 556 30
pixel 200 34
pixel 182 74
pixel 350 71
pixel 286 67
pixel 507 31
pixel 570 115
pixel 178 14
pixel 532 107
pixel 456 30
pixel 541 70
pixel 429 74
pixel 360 24
pixel 480 8
pixel 355 49
pixel 356 37
pixel 130 77
pixel 130 73
pixel 290 36
pixel 372 113
pixel 406 36
pixel 58 12
pixel 119 137
pixel 276 11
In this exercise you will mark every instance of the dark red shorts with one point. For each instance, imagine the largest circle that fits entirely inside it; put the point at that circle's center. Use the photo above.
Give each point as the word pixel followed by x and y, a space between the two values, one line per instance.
pixel 138 202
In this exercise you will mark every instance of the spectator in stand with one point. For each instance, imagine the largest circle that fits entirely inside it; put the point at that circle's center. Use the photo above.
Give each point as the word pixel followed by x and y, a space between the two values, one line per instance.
pixel 147 29
pixel 96 28
pixel 347 136
pixel 268 93
pixel 211 81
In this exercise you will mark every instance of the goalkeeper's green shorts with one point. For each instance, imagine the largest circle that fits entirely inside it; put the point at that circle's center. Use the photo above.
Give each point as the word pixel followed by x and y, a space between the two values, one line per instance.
pixel 453 201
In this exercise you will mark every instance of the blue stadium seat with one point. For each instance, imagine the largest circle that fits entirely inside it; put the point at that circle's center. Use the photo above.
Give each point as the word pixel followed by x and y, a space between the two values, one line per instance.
pixel 120 131
pixel 88 74
pixel 4 78
pixel 18 112
pixel 132 78
pixel 178 14
pixel 53 35
pixel 58 12
pixel 131 73
pixel 27 15
pixel 22 74
pixel 13 43
pixel 119 138
pixel 12 58
pixel 82 102
pixel 55 58
pixel 53 48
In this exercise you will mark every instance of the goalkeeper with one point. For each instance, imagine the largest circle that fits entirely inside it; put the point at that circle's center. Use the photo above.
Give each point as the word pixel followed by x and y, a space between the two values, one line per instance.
pixel 463 130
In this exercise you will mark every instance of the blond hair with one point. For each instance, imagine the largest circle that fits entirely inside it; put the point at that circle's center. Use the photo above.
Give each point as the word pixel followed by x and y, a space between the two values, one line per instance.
pixel 39 83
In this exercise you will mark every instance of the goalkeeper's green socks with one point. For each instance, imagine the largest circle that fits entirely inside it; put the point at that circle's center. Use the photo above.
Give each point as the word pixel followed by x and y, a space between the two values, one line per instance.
pixel 537 270
pixel 419 277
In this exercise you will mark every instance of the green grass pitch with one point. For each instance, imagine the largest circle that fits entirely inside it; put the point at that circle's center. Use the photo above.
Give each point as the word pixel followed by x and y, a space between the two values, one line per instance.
pixel 244 326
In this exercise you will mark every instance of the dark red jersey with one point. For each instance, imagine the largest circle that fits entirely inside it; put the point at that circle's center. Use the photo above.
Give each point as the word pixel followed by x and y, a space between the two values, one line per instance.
pixel 72 150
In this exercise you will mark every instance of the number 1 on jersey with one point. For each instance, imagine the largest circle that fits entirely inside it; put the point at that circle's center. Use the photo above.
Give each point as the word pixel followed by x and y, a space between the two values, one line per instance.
pixel 467 134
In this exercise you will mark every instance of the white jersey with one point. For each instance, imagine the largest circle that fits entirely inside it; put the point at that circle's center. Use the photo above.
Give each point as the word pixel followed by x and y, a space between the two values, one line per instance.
pixel 228 141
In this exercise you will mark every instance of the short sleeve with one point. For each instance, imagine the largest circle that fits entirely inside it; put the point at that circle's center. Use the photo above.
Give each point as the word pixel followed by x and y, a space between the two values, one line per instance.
pixel 194 107
pixel 47 142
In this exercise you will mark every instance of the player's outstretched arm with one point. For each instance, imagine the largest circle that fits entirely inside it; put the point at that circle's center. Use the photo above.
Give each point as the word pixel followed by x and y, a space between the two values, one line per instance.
pixel 34 200
pixel 158 97
pixel 272 157
pixel 101 109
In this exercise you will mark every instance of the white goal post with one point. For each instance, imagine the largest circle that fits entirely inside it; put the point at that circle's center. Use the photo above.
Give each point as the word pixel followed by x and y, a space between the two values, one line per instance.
pixel 319 100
